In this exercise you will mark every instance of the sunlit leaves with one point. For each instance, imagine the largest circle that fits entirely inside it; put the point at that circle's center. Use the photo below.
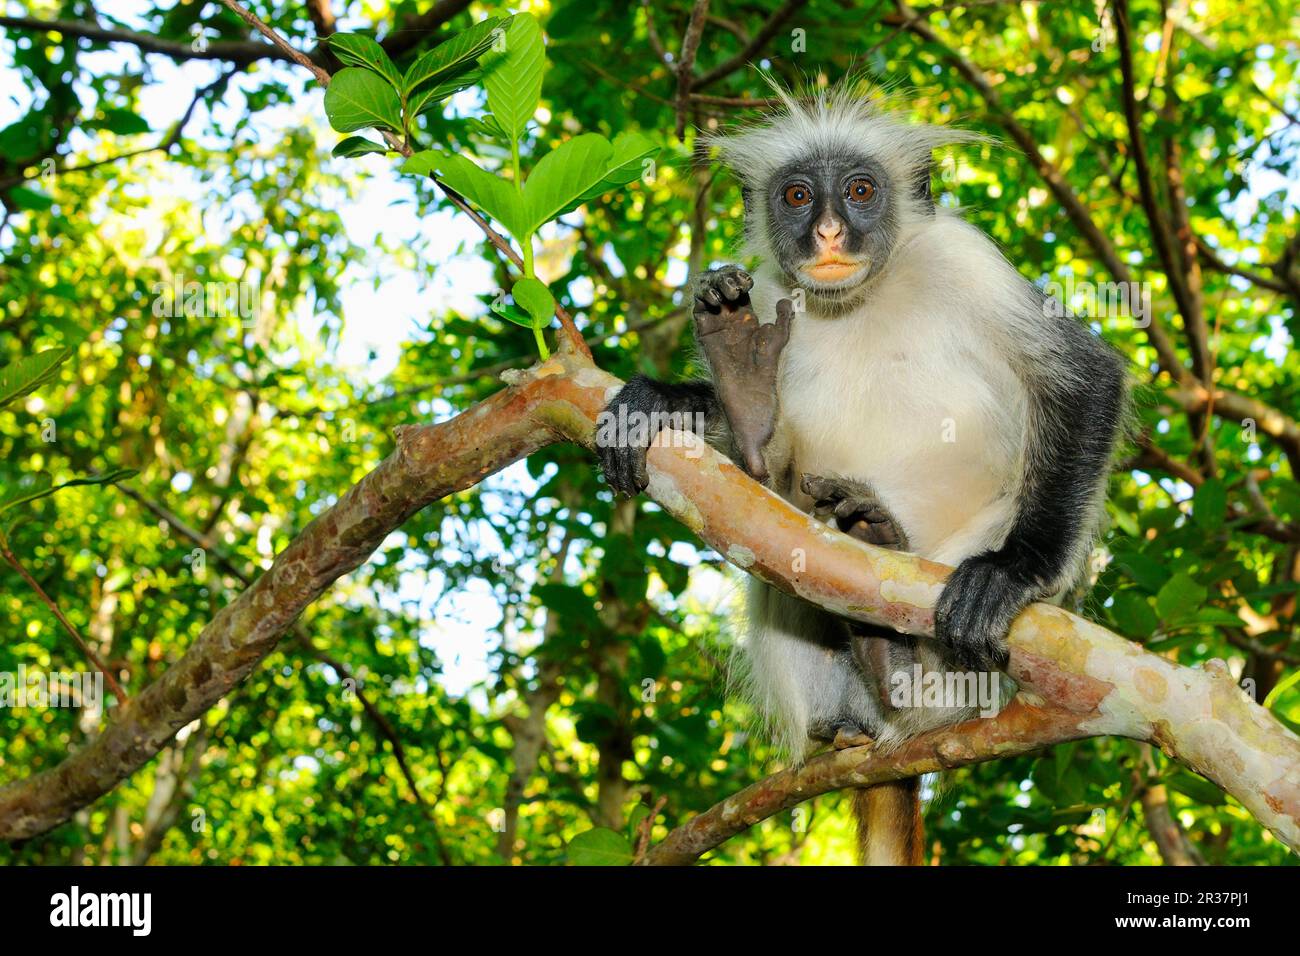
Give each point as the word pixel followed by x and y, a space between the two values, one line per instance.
pixel 513 76
pixel 360 99
pixel 354 146
pixel 28 374
pixel 489 192
pixel 450 56
pixel 355 49
pixel 564 176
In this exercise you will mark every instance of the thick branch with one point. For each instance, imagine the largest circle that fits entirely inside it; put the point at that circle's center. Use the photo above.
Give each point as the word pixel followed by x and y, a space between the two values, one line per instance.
pixel 1019 729
pixel 1077 678
pixel 686 62
pixel 403 38
pixel 430 462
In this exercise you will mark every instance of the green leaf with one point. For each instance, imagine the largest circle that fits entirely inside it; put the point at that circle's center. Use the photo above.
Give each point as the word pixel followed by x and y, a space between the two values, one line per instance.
pixel 25 198
pixel 356 49
pixel 634 818
pixel 1220 617
pixel 432 94
pixel 485 126
pixel 1149 573
pixel 123 122
pixel 630 151
pixel 513 314
pixel 535 299
pixel 513 76
pixel 451 55
pixel 1132 612
pixel 1210 505
pixel 355 146
pixel 489 192
pixel 564 176
pixel 34 486
pixel 29 374
pixel 1179 597
pixel 1197 787
pixel 358 99
pixel 600 847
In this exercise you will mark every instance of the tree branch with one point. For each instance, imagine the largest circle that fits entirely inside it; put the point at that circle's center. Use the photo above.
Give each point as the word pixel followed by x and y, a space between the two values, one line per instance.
pixel 287 50
pixel 755 46
pixel 1020 728
pixel 686 62
pixel 1161 233
pixel 498 241
pixel 1076 678
pixel 1066 196
pixel 239 52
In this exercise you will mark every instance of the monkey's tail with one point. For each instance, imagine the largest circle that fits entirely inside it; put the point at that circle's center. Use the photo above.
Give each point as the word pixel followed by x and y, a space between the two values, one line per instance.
pixel 888 818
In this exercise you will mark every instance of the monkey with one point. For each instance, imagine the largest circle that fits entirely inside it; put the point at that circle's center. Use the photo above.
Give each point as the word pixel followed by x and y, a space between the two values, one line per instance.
pixel 887 369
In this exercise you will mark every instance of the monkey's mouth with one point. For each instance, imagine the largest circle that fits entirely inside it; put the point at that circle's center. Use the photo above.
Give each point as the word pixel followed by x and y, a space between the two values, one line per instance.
pixel 835 271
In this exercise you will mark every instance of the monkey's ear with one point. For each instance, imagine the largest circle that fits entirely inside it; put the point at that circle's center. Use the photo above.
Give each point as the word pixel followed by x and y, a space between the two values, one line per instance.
pixel 921 187
pixel 747 199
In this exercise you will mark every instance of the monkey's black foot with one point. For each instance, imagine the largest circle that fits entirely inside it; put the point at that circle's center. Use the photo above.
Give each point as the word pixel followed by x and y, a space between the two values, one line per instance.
pixel 975 611
pixel 855 510
pixel 841 733
pixel 743 353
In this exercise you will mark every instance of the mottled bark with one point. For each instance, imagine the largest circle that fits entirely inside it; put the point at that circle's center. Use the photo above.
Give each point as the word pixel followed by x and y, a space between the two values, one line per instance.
pixel 1077 679
pixel 430 462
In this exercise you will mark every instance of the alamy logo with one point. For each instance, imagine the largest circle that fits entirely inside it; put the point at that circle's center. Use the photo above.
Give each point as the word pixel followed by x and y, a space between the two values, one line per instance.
pixel 638 430
pixel 133 910
pixel 181 298
pixel 935 689
pixel 28 687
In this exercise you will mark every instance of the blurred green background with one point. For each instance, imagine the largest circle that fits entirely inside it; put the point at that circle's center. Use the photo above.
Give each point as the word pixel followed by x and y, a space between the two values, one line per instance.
pixel 536 659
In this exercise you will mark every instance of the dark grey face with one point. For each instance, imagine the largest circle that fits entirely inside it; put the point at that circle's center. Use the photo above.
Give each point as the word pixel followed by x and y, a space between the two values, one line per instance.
pixel 832 221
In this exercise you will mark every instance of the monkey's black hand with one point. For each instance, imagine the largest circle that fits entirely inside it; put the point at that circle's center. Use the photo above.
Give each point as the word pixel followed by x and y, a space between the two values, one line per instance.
pixel 743 354
pixel 632 419
pixel 855 509
pixel 975 610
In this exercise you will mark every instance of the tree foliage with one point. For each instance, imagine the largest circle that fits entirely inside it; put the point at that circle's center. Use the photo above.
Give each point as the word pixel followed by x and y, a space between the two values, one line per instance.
pixel 193 280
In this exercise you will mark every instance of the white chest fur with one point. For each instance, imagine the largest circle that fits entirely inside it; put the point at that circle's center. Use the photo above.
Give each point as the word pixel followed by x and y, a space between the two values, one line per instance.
pixel 905 395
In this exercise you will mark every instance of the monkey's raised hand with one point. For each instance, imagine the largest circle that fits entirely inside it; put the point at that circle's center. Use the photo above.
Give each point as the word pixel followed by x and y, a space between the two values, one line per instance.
pixel 743 354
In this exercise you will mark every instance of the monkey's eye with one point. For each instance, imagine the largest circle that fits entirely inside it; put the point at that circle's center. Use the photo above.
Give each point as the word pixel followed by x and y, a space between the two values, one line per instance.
pixel 860 191
pixel 797 194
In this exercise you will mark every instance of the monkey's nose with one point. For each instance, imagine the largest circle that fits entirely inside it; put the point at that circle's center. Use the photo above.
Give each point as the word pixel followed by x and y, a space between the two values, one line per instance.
pixel 830 229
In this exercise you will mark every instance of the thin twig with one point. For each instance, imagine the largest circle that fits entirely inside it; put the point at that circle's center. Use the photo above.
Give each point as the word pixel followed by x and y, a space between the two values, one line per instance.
pixel 755 46
pixel 279 42
pixel 164 145
pixel 686 62
pixel 495 238
pixel 7 553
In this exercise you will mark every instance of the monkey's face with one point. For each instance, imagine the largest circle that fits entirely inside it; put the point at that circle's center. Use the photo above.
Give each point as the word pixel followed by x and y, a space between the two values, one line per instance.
pixel 832 222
